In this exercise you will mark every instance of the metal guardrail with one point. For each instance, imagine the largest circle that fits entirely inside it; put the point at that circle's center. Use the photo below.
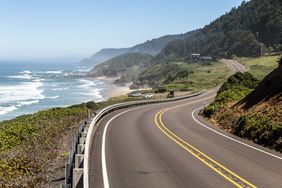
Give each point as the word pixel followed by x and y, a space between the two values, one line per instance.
pixel 77 168
pixel 76 154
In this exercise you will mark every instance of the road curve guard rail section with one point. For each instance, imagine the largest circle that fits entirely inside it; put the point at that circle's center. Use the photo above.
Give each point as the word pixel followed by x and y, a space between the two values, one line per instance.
pixel 72 167
pixel 77 170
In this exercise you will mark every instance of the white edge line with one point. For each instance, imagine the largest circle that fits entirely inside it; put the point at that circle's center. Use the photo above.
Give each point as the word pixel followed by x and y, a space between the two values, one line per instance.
pixel 91 133
pixel 103 153
pixel 230 138
pixel 104 164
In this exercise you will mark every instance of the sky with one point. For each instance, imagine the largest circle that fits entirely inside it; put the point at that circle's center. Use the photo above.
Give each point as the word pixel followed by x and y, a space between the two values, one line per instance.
pixel 75 29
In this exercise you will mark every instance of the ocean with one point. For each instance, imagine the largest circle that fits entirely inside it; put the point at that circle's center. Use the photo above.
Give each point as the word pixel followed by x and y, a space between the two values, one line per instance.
pixel 28 87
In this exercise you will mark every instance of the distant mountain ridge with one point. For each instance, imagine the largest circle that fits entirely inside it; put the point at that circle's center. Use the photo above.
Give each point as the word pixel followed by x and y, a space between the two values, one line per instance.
pixel 151 47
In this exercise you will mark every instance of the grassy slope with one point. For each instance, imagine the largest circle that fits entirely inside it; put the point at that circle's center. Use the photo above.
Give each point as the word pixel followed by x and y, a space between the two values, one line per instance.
pixel 28 144
pixel 261 123
pixel 33 148
pixel 197 76
pixel 260 66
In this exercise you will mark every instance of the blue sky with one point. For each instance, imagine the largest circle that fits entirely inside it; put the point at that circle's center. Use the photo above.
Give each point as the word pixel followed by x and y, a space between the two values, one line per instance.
pixel 74 29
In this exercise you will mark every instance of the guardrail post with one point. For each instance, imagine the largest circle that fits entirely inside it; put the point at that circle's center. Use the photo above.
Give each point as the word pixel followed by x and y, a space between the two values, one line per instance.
pixel 82 140
pixel 80 148
pixel 77 179
pixel 78 161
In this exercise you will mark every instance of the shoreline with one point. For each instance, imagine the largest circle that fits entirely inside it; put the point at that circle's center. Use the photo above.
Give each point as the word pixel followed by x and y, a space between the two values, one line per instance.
pixel 111 90
pixel 115 90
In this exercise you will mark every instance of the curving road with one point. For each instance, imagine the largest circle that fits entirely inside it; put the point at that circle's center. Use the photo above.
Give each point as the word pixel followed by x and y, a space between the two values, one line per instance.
pixel 169 145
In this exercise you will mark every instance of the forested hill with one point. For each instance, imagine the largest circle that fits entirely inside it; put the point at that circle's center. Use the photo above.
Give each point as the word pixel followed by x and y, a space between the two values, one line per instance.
pixel 127 67
pixel 239 32
pixel 151 47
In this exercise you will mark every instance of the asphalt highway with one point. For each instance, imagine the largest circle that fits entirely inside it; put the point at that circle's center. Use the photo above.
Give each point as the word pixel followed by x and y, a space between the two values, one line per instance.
pixel 169 145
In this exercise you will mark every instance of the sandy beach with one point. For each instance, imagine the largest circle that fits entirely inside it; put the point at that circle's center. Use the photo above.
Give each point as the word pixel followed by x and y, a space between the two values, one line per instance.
pixel 117 90
pixel 114 90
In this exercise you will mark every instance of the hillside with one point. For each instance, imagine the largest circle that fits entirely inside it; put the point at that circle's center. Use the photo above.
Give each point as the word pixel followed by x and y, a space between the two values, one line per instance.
pixel 240 32
pixel 249 110
pixel 151 47
pixel 259 67
pixel 34 148
pixel 102 56
pixel 269 90
pixel 126 66
pixel 183 75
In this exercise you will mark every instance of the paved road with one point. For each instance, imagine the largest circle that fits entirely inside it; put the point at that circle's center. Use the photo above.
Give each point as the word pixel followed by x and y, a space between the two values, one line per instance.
pixel 169 145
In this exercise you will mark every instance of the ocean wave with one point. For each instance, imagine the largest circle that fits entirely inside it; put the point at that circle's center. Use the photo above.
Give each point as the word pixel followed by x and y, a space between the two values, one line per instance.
pixel 5 110
pixel 60 89
pixel 54 72
pixel 38 79
pixel 27 91
pixel 52 97
pixel 87 83
pixel 83 70
pixel 94 94
pixel 23 76
pixel 24 91
pixel 27 103
pixel 48 72
pixel 25 72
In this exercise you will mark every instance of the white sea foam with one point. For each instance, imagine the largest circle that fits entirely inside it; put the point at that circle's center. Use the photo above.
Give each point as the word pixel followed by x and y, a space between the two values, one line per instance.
pixel 60 89
pixel 92 90
pixel 13 97
pixel 21 92
pixel 94 94
pixel 38 79
pixel 27 103
pixel 88 83
pixel 25 72
pixel 52 97
pixel 28 90
pixel 49 72
pixel 5 110
pixel 54 72
pixel 83 70
pixel 23 76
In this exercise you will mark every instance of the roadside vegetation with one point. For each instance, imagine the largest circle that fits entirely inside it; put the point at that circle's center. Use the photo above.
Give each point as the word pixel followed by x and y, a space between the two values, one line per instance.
pixel 249 108
pixel 35 147
pixel 234 89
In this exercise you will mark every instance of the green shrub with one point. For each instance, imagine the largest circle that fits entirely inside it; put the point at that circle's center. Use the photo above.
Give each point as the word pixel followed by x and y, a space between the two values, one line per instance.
pixel 234 89
pixel 260 129
pixel 209 111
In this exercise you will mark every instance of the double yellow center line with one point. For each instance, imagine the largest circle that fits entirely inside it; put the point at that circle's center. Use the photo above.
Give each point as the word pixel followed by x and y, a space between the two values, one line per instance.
pixel 214 165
